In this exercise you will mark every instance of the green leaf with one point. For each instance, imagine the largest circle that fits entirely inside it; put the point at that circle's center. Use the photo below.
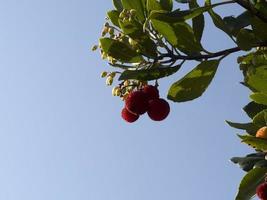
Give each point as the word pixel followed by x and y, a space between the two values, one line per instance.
pixel 234 24
pixel 131 28
pixel 261 118
pixel 256 143
pixel 118 5
pixel 179 35
pixel 250 182
pixel 252 109
pixel 246 39
pixel 194 84
pixel 218 21
pixel 252 160
pixel 260 98
pixel 248 127
pixel 113 15
pixel 183 1
pixel 256 78
pixel 137 5
pixel 119 51
pixel 159 5
pixel 147 47
pixel 198 22
pixel 259 28
pixel 149 74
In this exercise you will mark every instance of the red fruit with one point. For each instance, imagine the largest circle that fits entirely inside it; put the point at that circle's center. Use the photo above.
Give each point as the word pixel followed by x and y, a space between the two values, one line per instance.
pixel 262 191
pixel 151 91
pixel 128 117
pixel 158 109
pixel 137 102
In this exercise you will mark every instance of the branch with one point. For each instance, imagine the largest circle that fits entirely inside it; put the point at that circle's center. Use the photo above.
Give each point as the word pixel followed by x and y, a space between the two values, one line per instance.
pixel 252 9
pixel 200 57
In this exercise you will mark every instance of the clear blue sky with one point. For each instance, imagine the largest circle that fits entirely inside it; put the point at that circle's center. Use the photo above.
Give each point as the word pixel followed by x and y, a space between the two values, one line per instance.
pixel 61 135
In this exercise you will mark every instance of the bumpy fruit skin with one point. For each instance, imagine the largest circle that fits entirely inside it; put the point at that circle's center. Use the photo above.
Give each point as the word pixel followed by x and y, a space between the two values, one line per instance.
pixel 128 116
pixel 262 133
pixel 151 91
pixel 158 109
pixel 261 191
pixel 137 102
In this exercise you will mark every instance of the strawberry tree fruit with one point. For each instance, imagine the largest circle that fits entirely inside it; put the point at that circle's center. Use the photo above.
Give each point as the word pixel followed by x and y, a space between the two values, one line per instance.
pixel 128 116
pixel 158 109
pixel 137 102
pixel 262 133
pixel 261 191
pixel 151 91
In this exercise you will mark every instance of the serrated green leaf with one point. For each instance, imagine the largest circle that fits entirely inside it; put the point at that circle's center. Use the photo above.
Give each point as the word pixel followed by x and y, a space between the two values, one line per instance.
pixel 149 74
pixel 113 15
pixel 254 142
pixel 261 118
pixel 250 182
pixel 194 84
pixel 120 51
pixel 248 127
pixel 260 98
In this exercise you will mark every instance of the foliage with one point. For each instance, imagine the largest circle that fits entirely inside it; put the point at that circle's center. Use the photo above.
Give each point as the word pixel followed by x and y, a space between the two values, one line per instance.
pixel 146 40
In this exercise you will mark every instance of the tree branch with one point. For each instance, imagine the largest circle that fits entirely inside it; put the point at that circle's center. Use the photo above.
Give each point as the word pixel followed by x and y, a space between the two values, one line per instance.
pixel 200 57
pixel 245 4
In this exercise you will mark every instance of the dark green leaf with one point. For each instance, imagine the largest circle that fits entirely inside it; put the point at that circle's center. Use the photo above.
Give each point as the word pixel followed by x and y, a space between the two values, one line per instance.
pixel 119 51
pixel 246 39
pixel 218 21
pixel 118 5
pixel 261 118
pixel 248 127
pixel 259 28
pixel 131 28
pixel 113 15
pixel 198 22
pixel 194 84
pixel 183 1
pixel 260 98
pixel 250 182
pixel 252 109
pixel 247 163
pixel 149 74
pixel 137 5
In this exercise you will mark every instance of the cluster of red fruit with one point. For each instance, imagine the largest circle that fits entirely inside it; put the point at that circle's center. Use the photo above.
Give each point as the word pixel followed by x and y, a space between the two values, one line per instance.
pixel 145 100
pixel 262 191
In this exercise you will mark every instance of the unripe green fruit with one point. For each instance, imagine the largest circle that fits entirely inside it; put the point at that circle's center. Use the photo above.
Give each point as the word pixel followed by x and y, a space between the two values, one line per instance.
pixel 109 80
pixel 104 74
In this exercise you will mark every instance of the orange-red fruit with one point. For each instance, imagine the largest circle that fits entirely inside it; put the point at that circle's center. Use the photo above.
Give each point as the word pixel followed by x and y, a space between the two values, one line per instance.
pixel 137 102
pixel 158 109
pixel 127 116
pixel 262 191
pixel 151 91
pixel 262 133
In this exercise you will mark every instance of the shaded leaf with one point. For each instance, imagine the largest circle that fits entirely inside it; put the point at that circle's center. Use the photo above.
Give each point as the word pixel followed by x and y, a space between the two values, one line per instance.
pixel 261 118
pixel 246 39
pixel 254 142
pixel 149 74
pixel 194 84
pixel 252 109
pixel 113 15
pixel 118 5
pixel 248 127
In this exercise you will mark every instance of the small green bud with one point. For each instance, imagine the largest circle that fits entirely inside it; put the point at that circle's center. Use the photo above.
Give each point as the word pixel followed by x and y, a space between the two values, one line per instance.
pixel 133 12
pixel 112 74
pixel 104 74
pixel 116 91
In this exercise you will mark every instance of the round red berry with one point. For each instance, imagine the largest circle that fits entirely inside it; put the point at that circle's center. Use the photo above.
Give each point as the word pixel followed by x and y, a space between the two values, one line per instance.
pixel 137 102
pixel 158 109
pixel 262 191
pixel 128 116
pixel 151 91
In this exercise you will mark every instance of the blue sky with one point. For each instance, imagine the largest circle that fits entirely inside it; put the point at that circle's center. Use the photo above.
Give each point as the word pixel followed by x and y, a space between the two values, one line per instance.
pixel 61 135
